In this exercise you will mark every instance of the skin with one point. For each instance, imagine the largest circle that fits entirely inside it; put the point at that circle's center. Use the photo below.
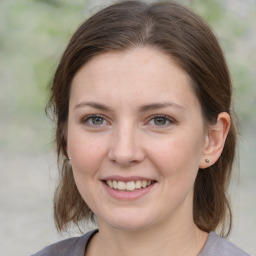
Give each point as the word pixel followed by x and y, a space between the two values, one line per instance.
pixel 128 140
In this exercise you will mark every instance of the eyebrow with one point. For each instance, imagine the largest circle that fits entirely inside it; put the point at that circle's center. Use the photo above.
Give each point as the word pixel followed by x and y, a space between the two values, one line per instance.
pixel 155 106
pixel 144 108
pixel 94 105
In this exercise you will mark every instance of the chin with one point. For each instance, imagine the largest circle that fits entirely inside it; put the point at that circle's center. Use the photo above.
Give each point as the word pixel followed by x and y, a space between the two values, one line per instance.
pixel 130 227
pixel 127 220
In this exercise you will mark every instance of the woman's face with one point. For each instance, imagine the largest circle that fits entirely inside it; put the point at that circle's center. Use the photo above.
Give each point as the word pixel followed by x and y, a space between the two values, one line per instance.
pixel 136 139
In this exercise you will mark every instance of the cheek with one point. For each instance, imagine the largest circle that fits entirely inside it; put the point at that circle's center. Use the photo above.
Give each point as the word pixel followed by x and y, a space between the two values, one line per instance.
pixel 86 151
pixel 177 155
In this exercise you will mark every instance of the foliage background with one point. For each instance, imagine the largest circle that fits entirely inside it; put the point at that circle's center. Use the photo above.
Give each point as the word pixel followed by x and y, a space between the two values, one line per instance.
pixel 33 34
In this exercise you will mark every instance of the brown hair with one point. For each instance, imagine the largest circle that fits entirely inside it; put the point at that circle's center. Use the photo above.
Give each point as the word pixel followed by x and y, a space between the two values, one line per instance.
pixel 184 36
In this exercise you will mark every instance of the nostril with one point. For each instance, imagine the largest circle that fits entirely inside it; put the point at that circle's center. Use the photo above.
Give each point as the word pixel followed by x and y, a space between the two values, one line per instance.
pixel 125 148
pixel 126 157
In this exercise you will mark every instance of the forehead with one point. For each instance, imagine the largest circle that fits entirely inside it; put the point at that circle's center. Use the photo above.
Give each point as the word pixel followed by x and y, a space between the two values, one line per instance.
pixel 145 58
pixel 139 74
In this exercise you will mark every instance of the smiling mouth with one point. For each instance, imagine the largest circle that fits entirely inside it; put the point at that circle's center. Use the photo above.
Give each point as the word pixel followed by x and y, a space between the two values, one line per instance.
pixel 128 186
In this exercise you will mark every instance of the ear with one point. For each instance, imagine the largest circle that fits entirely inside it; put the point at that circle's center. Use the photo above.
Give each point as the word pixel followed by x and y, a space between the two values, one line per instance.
pixel 215 140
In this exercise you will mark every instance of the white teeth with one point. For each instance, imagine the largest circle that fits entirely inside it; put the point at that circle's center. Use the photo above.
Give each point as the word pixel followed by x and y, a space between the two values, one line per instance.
pixel 138 184
pixel 129 186
pixel 121 185
pixel 110 183
pixel 115 185
pixel 144 183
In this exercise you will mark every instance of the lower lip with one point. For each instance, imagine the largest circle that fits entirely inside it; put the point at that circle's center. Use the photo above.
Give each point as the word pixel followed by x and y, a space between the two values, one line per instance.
pixel 127 195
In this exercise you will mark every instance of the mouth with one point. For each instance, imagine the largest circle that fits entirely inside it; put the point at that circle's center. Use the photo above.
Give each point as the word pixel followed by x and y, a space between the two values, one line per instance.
pixel 129 186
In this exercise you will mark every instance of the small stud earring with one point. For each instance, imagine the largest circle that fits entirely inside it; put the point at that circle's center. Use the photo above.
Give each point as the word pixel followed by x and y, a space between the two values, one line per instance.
pixel 69 162
pixel 207 161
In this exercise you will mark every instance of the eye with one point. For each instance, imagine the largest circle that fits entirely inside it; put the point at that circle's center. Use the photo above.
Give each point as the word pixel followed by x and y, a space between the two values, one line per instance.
pixel 94 120
pixel 161 120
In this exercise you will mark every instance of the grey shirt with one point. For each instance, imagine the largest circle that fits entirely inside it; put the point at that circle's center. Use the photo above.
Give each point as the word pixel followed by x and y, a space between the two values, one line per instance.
pixel 76 246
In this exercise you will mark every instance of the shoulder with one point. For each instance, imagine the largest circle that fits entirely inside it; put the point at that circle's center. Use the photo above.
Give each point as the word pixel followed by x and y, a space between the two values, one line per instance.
pixel 71 246
pixel 217 245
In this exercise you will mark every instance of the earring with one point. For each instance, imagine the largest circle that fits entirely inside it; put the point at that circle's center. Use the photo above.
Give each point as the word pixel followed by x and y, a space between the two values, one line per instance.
pixel 207 160
pixel 69 164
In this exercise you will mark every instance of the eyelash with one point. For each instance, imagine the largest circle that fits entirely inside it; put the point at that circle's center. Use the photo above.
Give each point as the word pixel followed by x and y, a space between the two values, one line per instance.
pixel 166 118
pixel 86 119
pixel 170 121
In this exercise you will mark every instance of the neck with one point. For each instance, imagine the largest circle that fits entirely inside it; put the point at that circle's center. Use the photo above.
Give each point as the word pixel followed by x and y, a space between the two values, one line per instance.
pixel 184 239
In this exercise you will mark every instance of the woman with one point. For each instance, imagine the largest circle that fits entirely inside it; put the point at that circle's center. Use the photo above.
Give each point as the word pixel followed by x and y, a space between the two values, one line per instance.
pixel 145 136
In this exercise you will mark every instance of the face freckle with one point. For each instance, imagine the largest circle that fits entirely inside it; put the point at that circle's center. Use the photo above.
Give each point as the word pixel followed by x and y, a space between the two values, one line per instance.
pixel 129 89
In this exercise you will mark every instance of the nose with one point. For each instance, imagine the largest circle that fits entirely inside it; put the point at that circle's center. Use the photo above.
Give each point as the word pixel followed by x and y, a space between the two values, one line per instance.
pixel 126 146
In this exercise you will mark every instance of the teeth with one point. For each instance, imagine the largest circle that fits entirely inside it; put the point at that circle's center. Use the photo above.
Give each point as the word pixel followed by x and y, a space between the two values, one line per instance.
pixel 121 185
pixel 129 186
pixel 138 184
pixel 144 183
pixel 115 185
pixel 110 183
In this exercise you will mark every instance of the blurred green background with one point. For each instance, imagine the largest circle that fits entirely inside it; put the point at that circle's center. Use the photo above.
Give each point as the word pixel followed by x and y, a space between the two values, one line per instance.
pixel 33 35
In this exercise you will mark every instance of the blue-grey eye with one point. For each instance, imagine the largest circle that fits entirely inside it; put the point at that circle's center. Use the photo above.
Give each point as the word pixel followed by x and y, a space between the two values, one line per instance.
pixel 97 120
pixel 160 121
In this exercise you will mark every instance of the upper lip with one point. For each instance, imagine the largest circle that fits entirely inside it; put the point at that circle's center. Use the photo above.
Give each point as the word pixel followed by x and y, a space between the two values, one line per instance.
pixel 127 179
